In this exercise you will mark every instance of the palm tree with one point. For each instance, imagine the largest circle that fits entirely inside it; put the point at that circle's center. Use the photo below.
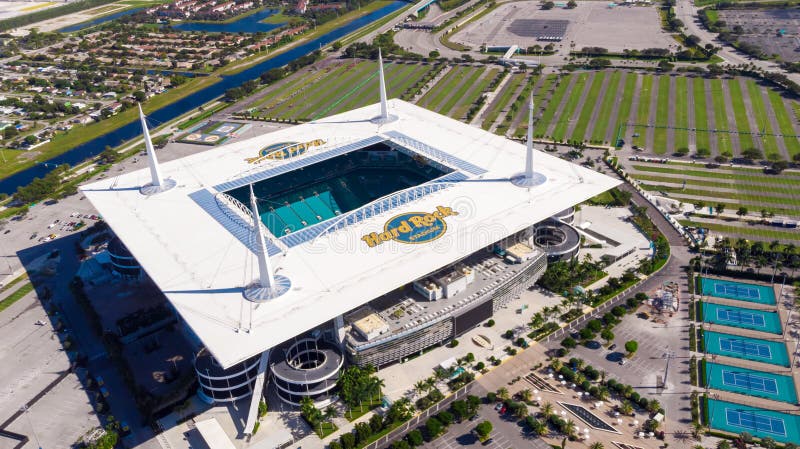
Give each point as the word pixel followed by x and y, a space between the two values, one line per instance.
pixel 526 395
pixel 420 387
pixel 596 445
pixel 570 428
pixel 502 393
pixel 697 431
pixel 626 408
pixel 547 410
pixel 539 428
pixel 329 413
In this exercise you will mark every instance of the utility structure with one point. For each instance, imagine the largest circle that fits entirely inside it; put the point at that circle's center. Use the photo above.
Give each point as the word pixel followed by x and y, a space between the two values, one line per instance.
pixel 529 178
pixel 384 117
pixel 157 183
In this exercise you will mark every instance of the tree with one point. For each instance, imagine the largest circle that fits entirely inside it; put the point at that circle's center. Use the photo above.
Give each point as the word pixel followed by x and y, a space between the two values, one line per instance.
pixel 483 430
pixel 526 395
pixel 570 428
pixel 720 208
pixel 631 346
pixel 546 411
pixel 723 444
pixel 569 343
pixel 572 4
pixel 548 5
pixel 665 66
pixel 596 445
pixel 434 427
pixel 502 393
pixel 400 410
pixel 460 409
pixel 742 211
pixel 415 438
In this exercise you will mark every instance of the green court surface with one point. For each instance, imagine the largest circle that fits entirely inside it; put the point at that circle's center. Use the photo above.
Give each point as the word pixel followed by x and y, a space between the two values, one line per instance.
pixel 757 320
pixel 750 382
pixel 754 349
pixel 761 423
pixel 740 291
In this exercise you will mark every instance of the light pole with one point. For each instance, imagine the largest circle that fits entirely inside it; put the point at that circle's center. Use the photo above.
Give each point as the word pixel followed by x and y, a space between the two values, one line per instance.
pixel 24 409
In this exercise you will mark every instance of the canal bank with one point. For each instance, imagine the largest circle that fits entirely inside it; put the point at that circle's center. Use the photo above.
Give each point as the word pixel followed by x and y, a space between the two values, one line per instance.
pixel 189 103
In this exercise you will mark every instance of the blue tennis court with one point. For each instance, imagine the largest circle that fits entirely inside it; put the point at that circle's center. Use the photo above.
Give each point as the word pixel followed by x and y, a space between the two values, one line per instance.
pixel 745 347
pixel 740 291
pixel 750 382
pixel 758 320
pixel 761 423
pixel 757 350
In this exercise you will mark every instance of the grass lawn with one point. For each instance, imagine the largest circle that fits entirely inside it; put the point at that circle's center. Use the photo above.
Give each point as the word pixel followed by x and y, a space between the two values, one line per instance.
pixel 324 94
pixel 662 112
pixel 719 174
pixel 277 18
pixel 784 122
pixel 14 282
pixel 465 103
pixel 700 114
pixel 357 412
pixel 681 96
pixel 762 120
pixel 744 229
pixel 324 429
pixel 504 99
pixel 739 196
pixel 604 115
pixel 468 81
pixel 585 114
pixel 278 102
pixel 746 186
pixel 15 296
pixel 560 131
pixel 720 118
pixel 520 114
pixel 624 112
pixel 740 113
pixel 643 109
pixel 435 95
pixel 550 110
pixel 397 76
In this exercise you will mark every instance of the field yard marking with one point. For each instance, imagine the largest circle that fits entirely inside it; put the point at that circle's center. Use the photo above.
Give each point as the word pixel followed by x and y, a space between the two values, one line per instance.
pixel 784 122
pixel 702 139
pixel 681 108
pixel 326 93
pixel 368 90
pixel 619 101
pixel 586 107
pixel 465 91
pixel 433 94
pixel 749 232
pixel 502 100
pixel 602 108
pixel 760 119
pixel 467 101
pixel 715 93
pixel 560 129
pixel 643 109
pixel 543 126
pixel 740 114
pixel 661 112
pixel 520 117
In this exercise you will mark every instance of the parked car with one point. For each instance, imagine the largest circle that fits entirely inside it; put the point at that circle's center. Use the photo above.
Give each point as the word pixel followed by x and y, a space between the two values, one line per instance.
pixel 612 347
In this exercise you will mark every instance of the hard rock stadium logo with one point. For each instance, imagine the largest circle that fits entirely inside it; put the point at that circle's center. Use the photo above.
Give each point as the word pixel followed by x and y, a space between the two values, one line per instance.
pixel 284 150
pixel 412 227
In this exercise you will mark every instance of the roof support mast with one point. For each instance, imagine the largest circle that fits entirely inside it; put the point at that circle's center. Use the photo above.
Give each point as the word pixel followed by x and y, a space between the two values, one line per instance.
pixel 268 285
pixel 529 178
pixel 157 183
pixel 384 117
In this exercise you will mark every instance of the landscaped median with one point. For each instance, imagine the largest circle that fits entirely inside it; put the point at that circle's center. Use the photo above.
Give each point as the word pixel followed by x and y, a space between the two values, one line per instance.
pixel 15 296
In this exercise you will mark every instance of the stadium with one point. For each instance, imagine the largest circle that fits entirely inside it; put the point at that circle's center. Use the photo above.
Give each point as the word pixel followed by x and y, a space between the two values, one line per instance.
pixel 380 232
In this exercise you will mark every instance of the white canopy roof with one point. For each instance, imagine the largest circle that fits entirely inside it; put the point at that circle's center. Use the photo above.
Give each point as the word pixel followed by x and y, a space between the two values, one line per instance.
pixel 193 252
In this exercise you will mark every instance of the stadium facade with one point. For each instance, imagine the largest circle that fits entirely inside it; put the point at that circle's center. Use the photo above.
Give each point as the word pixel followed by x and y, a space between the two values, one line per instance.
pixel 364 237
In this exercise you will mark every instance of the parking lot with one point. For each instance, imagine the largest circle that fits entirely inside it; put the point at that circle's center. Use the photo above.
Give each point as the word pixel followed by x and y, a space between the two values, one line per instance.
pixel 591 24
pixel 760 27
